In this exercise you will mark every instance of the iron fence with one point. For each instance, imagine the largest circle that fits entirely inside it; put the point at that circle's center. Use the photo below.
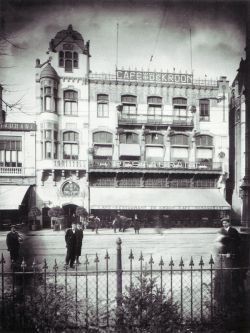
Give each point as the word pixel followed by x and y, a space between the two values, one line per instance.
pixel 90 296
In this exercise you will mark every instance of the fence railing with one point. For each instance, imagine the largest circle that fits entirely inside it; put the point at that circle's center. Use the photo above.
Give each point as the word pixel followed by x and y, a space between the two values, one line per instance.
pixel 90 295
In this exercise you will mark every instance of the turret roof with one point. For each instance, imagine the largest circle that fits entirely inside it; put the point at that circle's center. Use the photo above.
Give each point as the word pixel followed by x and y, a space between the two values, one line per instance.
pixel 49 72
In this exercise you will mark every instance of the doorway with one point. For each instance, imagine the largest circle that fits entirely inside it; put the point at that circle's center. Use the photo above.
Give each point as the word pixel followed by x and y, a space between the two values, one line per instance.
pixel 69 210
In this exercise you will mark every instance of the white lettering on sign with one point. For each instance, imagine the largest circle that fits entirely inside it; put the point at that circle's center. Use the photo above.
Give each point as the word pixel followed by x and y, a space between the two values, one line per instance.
pixel 18 126
pixel 154 77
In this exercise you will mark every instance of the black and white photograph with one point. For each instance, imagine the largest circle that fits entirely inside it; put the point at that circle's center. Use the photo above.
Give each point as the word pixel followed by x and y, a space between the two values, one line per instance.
pixel 125 166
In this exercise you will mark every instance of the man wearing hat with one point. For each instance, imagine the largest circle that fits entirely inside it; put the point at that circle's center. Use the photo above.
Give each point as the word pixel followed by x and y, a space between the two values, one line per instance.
pixel 13 240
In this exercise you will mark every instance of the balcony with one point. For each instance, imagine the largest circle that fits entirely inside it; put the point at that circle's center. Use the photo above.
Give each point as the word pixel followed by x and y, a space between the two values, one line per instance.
pixel 62 164
pixel 143 119
pixel 155 165
pixel 17 171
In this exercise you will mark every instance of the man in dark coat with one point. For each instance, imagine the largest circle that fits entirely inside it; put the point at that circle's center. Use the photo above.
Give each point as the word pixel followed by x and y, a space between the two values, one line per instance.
pixel 71 241
pixel 13 243
pixel 230 241
pixel 79 237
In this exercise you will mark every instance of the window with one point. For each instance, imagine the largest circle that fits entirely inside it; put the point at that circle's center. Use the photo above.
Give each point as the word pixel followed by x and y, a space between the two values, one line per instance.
pixel 102 137
pixel 70 103
pixel 129 138
pixel 179 140
pixel 70 189
pixel 129 106
pixel 70 145
pixel 10 151
pixel 68 60
pixel 204 140
pixel 204 110
pixel 154 138
pixel 180 107
pixel 154 107
pixel 102 106
pixel 48 99
pixel 49 144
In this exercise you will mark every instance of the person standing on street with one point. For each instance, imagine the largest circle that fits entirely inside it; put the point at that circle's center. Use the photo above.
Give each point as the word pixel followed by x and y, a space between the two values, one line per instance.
pixel 97 224
pixel 71 241
pixel 136 224
pixel 13 240
pixel 79 238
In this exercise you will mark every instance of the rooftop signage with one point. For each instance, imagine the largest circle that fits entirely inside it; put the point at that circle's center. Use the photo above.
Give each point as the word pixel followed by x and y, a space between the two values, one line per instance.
pixel 18 127
pixel 159 77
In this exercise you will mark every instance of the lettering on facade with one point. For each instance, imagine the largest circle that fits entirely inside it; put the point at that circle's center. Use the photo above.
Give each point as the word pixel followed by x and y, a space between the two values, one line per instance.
pixel 154 77
pixel 160 207
pixel 18 127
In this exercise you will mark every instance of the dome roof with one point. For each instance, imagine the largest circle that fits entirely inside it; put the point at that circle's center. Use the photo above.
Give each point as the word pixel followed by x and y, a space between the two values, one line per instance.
pixel 49 72
pixel 62 35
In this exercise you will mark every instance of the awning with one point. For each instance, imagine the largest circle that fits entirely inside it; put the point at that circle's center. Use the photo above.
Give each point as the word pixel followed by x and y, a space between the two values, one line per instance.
pixel 132 149
pixel 12 196
pixel 157 199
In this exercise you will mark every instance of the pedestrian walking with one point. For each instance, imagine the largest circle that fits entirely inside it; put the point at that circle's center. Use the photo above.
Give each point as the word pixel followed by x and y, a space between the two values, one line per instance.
pixel 97 222
pixel 136 224
pixel 13 240
pixel 79 238
pixel 71 241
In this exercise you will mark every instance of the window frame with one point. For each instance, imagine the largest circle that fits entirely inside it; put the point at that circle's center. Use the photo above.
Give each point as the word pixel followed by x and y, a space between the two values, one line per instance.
pixel 204 109
pixel 71 101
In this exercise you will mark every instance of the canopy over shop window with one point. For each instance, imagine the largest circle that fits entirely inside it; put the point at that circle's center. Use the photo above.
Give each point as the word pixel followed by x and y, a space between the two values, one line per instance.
pixel 12 196
pixel 157 199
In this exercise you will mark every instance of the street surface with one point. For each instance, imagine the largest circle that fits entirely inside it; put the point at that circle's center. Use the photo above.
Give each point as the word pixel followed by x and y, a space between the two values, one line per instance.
pixel 174 242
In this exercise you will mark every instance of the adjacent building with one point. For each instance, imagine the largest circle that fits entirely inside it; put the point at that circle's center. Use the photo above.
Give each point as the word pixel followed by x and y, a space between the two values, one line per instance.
pixel 153 144
pixel 17 170
pixel 237 134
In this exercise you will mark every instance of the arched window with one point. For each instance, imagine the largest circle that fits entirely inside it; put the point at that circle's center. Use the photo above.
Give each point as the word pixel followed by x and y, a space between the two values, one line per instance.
pixel 128 138
pixel 179 140
pixel 204 140
pixel 102 137
pixel 70 145
pixel 70 102
pixel 154 138
pixel 70 189
pixel 102 106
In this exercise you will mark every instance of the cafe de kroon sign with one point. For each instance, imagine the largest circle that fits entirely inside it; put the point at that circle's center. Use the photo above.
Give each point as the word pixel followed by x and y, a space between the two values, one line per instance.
pixel 154 77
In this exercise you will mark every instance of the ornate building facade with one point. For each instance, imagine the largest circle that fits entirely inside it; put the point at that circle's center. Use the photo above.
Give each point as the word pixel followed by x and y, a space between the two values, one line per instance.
pixel 146 143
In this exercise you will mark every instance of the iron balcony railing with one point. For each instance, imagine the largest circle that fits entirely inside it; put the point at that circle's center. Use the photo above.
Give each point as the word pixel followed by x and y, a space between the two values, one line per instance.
pixel 152 120
pixel 106 164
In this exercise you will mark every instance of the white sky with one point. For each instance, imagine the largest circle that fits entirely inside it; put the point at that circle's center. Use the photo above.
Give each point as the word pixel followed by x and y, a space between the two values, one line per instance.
pixel 146 28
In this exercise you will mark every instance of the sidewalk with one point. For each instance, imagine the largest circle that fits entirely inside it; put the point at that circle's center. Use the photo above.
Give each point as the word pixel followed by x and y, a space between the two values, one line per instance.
pixel 130 231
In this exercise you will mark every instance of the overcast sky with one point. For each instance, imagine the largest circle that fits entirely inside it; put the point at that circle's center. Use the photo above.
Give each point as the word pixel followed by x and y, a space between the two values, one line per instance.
pixel 147 29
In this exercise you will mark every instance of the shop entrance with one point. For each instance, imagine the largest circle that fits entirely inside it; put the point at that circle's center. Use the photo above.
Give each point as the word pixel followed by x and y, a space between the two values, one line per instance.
pixel 69 211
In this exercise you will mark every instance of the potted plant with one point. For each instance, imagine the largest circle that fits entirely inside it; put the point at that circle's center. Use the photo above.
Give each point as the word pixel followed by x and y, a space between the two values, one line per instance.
pixel 33 213
pixel 56 214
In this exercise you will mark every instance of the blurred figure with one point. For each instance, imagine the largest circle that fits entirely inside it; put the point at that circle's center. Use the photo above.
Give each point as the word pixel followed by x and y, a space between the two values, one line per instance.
pixel 13 240
pixel 71 239
pixel 79 238
pixel 97 222
pixel 136 224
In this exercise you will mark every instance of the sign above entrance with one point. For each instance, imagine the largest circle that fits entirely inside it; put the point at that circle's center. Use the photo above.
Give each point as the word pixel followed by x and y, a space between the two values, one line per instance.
pixel 156 77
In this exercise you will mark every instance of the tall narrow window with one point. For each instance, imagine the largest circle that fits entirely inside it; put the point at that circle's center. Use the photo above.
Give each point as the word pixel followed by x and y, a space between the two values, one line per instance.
pixel 48 99
pixel 204 110
pixel 154 108
pixel 70 103
pixel 70 145
pixel 129 106
pixel 102 106
pixel 179 107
